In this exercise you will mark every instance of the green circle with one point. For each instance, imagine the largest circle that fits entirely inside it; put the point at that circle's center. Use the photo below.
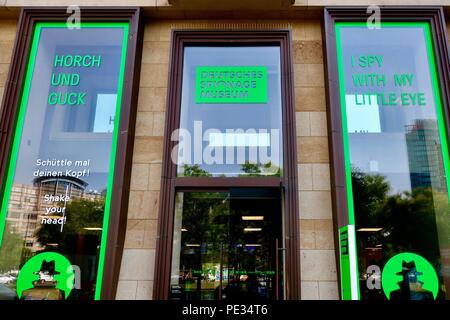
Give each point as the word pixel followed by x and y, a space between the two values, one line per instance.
pixel 29 273
pixel 390 278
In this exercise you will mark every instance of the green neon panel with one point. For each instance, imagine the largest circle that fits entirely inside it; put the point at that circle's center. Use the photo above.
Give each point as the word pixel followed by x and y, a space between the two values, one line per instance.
pixel 344 264
pixel 396 155
pixel 348 263
pixel 61 166
pixel 231 84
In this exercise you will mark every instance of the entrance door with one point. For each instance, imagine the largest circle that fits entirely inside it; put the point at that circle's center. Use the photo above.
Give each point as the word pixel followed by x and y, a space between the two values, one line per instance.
pixel 226 245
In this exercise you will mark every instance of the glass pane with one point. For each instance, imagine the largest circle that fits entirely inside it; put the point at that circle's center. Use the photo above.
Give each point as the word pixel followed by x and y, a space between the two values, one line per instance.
pixel 55 210
pixel 230 122
pixel 225 246
pixel 397 160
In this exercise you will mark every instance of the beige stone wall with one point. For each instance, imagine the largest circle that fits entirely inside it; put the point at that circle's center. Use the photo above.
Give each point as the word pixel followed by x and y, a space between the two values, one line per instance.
pixel 7 36
pixel 317 247
pixel 448 29
pixel 318 267
pixel 136 275
pixel 224 5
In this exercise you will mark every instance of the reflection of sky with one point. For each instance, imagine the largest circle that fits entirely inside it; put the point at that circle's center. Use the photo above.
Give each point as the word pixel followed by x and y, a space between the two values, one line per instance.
pixel 105 110
pixel 67 132
pixel 365 119
pixel 403 51
pixel 231 116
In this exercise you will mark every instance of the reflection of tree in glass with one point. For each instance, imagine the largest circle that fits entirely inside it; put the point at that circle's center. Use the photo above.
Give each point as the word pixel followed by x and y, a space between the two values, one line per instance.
pixel 369 193
pixel 81 214
pixel 195 171
pixel 249 169
pixel 13 252
pixel 214 237
pixel 408 220
pixel 203 217
pixel 258 169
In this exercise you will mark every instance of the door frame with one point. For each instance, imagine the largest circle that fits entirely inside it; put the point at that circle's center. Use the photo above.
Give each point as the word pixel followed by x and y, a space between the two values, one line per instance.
pixel 278 198
pixel 170 183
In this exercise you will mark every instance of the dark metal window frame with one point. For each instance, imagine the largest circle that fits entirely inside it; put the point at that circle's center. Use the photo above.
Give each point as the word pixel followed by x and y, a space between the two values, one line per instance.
pixel 10 105
pixel 170 183
pixel 431 14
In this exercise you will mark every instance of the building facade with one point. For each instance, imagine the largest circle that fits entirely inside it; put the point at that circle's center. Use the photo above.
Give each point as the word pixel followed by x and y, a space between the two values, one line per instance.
pixel 347 112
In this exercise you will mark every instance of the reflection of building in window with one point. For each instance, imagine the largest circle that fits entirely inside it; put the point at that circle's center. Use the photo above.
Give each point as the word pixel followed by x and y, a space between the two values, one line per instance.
pixel 425 156
pixel 27 205
pixel 23 212
pixel 70 186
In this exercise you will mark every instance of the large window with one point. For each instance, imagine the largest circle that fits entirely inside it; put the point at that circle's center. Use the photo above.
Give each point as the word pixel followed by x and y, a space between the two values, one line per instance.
pixel 58 192
pixel 232 97
pixel 62 157
pixel 396 163
pixel 228 216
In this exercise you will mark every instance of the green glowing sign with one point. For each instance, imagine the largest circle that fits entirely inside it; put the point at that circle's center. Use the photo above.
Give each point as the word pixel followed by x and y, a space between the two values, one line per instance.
pixel 394 273
pixel 225 84
pixel 64 274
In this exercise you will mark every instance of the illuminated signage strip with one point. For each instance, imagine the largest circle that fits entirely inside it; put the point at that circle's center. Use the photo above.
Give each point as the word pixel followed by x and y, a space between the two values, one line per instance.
pixel 348 263
pixel 231 84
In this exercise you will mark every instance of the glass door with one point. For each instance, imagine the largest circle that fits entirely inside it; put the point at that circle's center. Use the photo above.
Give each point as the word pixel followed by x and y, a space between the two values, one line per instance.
pixel 226 245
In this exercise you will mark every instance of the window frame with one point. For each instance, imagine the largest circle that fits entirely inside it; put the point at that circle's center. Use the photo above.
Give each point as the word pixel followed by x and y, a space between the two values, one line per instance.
pixel 436 19
pixel 122 172
pixel 171 184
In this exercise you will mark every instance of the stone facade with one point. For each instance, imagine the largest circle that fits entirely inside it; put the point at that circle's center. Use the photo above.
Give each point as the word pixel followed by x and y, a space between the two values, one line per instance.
pixel 317 247
pixel 226 5
pixel 140 240
pixel 7 36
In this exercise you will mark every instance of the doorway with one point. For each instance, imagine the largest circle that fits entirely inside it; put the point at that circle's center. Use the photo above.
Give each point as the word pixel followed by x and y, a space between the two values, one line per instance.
pixel 227 245
pixel 217 150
